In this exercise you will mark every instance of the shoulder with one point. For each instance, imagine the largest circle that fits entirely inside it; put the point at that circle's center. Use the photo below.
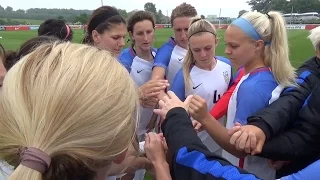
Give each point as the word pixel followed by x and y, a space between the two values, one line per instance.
pixel 167 47
pixel 127 55
pixel 163 55
pixel 126 58
pixel 224 60
pixel 261 84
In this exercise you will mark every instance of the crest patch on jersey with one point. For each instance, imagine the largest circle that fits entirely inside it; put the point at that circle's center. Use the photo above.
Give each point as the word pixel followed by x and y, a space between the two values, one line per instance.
pixel 226 77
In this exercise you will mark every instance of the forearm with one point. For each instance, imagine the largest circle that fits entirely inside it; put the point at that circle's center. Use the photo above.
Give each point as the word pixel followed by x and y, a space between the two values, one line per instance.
pixel 220 135
pixel 158 73
pixel 162 171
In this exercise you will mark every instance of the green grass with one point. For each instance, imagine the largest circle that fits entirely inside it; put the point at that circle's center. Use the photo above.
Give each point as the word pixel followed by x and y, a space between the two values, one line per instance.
pixel 29 21
pixel 300 47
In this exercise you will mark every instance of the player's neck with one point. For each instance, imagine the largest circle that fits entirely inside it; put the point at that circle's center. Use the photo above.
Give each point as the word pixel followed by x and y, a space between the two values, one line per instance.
pixel 255 64
pixel 208 67
pixel 146 55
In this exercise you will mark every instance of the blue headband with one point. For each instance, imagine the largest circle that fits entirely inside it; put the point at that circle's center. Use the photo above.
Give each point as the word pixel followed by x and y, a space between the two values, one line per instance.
pixel 248 28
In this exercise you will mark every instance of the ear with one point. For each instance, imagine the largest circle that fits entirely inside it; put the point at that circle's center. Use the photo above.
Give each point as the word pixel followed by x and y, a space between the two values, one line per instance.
pixel 120 158
pixel 131 35
pixel 318 52
pixel 259 45
pixel 217 41
pixel 96 36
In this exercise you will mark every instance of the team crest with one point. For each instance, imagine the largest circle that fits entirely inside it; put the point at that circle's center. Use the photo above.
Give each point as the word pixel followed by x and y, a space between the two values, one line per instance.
pixel 226 77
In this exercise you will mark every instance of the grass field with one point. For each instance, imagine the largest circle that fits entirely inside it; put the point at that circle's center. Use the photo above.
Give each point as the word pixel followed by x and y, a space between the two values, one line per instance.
pixel 300 47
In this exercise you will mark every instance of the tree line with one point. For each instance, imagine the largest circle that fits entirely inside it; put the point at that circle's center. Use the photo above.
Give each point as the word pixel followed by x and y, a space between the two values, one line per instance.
pixel 81 16
pixel 285 6
pixel 67 15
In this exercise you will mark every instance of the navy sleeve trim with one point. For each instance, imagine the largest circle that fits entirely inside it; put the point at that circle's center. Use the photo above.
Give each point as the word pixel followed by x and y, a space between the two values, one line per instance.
pixel 197 161
pixel 301 79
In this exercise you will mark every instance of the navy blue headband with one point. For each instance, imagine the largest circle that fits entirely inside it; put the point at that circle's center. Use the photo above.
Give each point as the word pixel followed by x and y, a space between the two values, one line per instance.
pixel 248 28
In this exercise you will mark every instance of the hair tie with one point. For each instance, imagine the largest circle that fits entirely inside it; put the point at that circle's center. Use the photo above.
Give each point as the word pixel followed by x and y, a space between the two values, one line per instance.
pixel 35 159
pixel 269 17
pixel 68 32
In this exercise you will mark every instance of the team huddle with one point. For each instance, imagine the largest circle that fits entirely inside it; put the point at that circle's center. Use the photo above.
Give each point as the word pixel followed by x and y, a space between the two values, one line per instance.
pixel 97 111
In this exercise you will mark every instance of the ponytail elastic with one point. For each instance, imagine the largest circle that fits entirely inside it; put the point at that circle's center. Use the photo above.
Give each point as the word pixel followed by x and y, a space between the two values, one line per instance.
pixel 35 159
pixel 68 32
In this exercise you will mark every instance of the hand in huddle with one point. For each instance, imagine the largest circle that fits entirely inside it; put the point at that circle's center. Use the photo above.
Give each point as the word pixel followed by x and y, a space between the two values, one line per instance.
pixel 150 92
pixel 248 138
pixel 171 101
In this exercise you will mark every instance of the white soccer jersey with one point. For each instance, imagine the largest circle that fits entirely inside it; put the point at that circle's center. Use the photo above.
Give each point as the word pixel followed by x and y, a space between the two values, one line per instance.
pixel 210 85
pixel 140 71
pixel 170 56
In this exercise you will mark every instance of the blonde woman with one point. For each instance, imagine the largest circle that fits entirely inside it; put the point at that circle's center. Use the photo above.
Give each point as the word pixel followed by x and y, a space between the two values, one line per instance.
pixel 296 121
pixel 259 43
pixel 67 111
pixel 203 73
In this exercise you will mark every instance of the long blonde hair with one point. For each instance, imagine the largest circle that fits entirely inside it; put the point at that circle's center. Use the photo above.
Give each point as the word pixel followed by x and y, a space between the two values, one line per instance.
pixel 75 103
pixel 272 28
pixel 197 27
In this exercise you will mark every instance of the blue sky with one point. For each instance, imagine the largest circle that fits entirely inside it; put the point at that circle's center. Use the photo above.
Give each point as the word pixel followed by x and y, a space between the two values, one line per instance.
pixel 229 8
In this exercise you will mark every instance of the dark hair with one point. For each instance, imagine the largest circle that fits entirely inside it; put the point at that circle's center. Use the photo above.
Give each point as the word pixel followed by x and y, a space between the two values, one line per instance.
pixel 57 28
pixel 101 20
pixel 12 57
pixel 137 17
pixel 140 16
pixel 65 167
pixel 183 10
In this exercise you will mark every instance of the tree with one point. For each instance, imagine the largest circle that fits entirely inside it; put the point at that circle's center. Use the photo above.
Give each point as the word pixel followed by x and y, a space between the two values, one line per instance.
pixel 242 12
pixel 149 6
pixel 83 18
pixel 284 6
pixel 1 8
pixel 9 9
pixel 20 10
pixel 260 5
pixel 61 18
pixel 123 13
pixel 203 17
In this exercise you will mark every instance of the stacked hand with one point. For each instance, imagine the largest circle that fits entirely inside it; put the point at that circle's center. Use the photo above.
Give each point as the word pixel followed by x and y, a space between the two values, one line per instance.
pixel 171 101
pixel 150 92
pixel 247 138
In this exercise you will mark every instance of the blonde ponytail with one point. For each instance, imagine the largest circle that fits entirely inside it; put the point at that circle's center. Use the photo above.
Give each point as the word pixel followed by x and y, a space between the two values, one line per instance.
pixel 75 103
pixel 271 27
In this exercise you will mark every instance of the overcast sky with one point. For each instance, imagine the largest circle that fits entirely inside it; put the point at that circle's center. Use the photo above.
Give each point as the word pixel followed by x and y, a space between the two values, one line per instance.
pixel 229 8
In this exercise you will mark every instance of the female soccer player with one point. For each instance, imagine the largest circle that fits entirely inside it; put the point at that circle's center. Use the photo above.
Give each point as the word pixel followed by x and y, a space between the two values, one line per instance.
pixel 51 128
pixel 258 42
pixel 138 59
pixel 106 30
pixel 56 28
pixel 170 56
pixel 203 73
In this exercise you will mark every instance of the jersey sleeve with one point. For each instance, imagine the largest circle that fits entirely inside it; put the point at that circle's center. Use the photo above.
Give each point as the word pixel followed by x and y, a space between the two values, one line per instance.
pixel 310 172
pixel 190 158
pixel 126 59
pixel 221 108
pixel 178 86
pixel 163 56
pixel 249 102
